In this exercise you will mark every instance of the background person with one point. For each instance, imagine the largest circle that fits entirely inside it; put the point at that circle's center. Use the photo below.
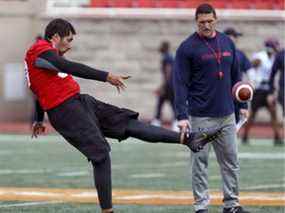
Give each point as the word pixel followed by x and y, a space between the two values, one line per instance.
pixel 259 76
pixel 165 91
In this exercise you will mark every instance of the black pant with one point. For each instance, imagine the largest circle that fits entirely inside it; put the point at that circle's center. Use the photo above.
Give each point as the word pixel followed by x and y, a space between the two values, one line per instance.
pixel 166 95
pixel 84 122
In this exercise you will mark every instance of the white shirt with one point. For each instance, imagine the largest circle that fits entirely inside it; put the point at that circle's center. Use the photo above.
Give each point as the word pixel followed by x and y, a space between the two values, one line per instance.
pixel 255 77
pixel 262 72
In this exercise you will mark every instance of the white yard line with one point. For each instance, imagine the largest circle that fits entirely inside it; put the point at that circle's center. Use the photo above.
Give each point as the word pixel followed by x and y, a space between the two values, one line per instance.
pixel 23 171
pixel 29 204
pixel 64 172
pixel 262 156
pixel 148 175
pixel 183 197
pixel 27 138
pixel 269 186
pixel 73 174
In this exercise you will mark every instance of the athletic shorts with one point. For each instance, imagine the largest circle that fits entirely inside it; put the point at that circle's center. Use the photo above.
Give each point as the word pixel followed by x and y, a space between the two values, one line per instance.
pixel 85 122
pixel 259 100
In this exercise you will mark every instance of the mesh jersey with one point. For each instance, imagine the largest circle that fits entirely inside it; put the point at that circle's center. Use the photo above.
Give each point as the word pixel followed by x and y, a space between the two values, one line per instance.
pixel 51 87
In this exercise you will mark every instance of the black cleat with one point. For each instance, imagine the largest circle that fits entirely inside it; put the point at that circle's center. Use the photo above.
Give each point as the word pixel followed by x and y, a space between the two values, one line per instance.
pixel 244 140
pixel 278 141
pixel 237 209
pixel 197 140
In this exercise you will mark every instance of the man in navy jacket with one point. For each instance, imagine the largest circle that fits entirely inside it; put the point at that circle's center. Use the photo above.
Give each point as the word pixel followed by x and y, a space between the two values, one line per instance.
pixel 206 68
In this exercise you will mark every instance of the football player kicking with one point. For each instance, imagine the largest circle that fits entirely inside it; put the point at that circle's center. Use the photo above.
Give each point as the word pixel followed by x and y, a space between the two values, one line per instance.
pixel 83 120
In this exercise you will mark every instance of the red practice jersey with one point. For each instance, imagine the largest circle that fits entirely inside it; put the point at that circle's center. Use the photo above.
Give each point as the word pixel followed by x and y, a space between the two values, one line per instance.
pixel 51 88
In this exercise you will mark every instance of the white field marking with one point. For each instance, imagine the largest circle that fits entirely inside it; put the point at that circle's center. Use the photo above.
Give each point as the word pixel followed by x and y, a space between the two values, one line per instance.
pixel 31 193
pixel 183 197
pixel 35 193
pixel 27 138
pixel 85 194
pixel 261 156
pixel 259 142
pixel 149 175
pixel 23 171
pixel 29 204
pixel 241 155
pixel 260 197
pixel 269 186
pixel 64 172
pixel 151 196
pixel 73 174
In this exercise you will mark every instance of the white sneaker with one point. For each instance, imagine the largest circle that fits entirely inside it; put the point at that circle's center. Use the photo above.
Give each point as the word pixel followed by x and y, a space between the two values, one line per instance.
pixel 174 126
pixel 155 122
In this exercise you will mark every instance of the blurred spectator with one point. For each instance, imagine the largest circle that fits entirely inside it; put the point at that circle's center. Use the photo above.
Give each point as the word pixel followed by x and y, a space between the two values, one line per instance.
pixel 244 63
pixel 165 91
pixel 259 76
pixel 278 66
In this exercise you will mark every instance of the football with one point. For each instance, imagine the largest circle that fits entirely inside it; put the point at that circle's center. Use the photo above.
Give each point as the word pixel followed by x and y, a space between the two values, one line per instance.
pixel 242 91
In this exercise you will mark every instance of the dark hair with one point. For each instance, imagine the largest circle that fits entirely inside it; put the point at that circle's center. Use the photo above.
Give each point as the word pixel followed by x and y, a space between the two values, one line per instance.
pixel 205 8
pixel 164 47
pixel 60 27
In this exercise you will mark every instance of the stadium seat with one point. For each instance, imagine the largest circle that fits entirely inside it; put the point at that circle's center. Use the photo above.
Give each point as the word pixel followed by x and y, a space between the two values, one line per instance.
pixel 167 4
pixel 189 3
pixel 121 3
pixel 239 4
pixel 146 3
pixel 99 3
pixel 233 4
pixel 218 3
pixel 263 5
pixel 278 4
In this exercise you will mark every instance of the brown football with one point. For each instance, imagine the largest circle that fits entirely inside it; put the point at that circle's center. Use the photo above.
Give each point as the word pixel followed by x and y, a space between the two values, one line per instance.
pixel 242 91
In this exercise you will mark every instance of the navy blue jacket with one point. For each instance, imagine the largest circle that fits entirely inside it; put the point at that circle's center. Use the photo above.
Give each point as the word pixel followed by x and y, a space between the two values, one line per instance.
pixel 167 59
pixel 200 90
pixel 244 63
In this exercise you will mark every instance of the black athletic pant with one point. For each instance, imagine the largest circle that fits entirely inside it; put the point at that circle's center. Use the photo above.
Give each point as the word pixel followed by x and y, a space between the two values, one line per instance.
pixel 103 181
pixel 84 122
pixel 150 133
pixel 167 95
pixel 136 129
